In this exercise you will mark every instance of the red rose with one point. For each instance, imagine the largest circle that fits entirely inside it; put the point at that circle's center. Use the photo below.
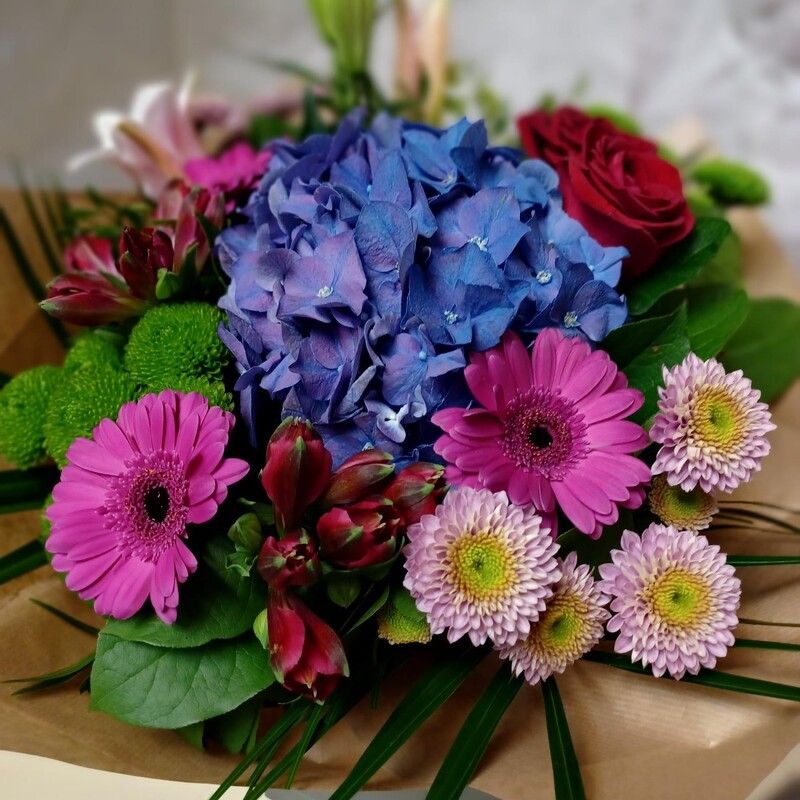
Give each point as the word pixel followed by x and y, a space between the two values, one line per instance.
pixel 614 184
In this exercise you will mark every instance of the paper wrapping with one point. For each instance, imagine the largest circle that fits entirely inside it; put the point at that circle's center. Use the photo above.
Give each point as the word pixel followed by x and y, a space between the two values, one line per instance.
pixel 635 736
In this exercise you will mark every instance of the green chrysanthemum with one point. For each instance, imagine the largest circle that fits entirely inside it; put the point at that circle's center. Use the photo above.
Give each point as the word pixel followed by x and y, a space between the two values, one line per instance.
pixel 94 349
pixel 214 391
pixel 687 511
pixel 401 622
pixel 23 404
pixel 82 400
pixel 176 341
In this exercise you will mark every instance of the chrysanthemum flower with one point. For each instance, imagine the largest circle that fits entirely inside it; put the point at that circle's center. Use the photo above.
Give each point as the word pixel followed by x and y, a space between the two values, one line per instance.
pixel 121 508
pixel 687 511
pixel 710 425
pixel 571 624
pixel 674 599
pixel 551 430
pixel 401 622
pixel 481 567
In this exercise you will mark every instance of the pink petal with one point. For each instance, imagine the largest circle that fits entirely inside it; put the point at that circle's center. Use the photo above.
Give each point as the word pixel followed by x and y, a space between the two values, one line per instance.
pixel 580 516
pixel 91 456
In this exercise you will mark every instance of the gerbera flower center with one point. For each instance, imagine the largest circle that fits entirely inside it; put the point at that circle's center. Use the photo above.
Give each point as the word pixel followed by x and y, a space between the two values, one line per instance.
pixel 146 505
pixel 481 567
pixel 718 419
pixel 561 628
pixel 680 598
pixel 543 433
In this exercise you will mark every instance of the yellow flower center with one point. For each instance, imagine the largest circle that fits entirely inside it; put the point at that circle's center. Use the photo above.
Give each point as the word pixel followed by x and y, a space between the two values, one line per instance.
pixel 679 598
pixel 561 627
pixel 481 567
pixel 718 419
pixel 674 506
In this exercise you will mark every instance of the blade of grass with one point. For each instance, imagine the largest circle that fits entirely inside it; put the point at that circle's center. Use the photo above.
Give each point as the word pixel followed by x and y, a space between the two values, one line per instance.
pixel 566 770
pixel 303 744
pixel 24 559
pixel 762 644
pixel 70 620
pixel 727 503
pixel 748 514
pixel 707 677
pixel 762 561
pixel 276 733
pixel 743 621
pixel 427 695
pixel 21 490
pixel 41 234
pixel 472 740
pixel 51 679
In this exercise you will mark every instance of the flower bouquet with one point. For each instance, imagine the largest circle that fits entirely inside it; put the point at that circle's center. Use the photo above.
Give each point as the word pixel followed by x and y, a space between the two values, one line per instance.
pixel 358 396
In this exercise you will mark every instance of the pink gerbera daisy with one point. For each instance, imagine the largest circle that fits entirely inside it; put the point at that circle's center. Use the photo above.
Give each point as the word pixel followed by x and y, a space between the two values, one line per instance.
pixel 674 599
pixel 551 430
pixel 121 507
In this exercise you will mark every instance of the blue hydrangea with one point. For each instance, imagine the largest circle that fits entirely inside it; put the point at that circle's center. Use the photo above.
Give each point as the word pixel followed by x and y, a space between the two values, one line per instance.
pixel 373 260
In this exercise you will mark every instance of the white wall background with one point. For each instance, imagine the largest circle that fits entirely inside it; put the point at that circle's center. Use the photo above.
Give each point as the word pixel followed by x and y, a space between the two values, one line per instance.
pixel 735 64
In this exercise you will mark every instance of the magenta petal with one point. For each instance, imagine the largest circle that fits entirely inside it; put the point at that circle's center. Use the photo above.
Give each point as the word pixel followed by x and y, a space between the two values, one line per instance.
pixel 580 516
pixel 480 384
pixel 91 456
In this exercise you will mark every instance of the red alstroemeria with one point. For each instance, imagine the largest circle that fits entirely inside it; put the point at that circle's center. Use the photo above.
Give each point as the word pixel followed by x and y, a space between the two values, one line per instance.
pixel 305 654
pixel 86 299
pixel 417 490
pixel 287 562
pixel 178 207
pixel 92 255
pixel 142 254
pixel 297 471
pixel 360 535
pixel 361 475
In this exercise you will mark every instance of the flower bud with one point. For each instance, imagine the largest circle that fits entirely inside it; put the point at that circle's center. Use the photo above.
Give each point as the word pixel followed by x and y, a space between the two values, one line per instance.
pixel 417 490
pixel 361 534
pixel 359 476
pixel 305 654
pixel 297 471
pixel 291 561
pixel 87 299
pixel 142 254
pixel 92 255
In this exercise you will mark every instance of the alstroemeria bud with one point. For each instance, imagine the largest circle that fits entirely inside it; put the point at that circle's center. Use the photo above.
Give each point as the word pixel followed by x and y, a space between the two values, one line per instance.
pixel 179 206
pixel 360 535
pixel 361 475
pixel 86 299
pixel 417 490
pixel 91 255
pixel 297 471
pixel 305 654
pixel 291 561
pixel 142 254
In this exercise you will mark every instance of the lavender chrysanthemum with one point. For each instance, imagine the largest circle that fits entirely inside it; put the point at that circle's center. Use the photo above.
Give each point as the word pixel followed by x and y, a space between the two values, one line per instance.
pixel 120 510
pixel 687 511
pixel 710 425
pixel 571 624
pixel 674 599
pixel 375 259
pixel 481 567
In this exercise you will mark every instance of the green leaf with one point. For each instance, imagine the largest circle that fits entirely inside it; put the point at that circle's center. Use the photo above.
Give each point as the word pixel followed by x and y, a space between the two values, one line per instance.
pixel 193 734
pixel 731 183
pixel 762 644
pixel 745 621
pixel 715 314
pixel 51 679
pixel 373 609
pixel 726 266
pixel 68 618
pixel 472 740
pixel 21 490
pixel 624 344
pixel 644 372
pixel 216 603
pixel 706 677
pixel 748 515
pixel 156 687
pixel 246 532
pixel 343 590
pixel 566 770
pixel 427 695
pixel 762 561
pixel 24 559
pixel 767 346
pixel 596 551
pixel 235 729
pixel 618 118
pixel 168 284
pixel 679 265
